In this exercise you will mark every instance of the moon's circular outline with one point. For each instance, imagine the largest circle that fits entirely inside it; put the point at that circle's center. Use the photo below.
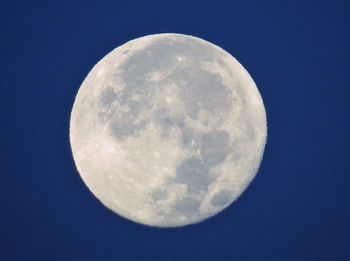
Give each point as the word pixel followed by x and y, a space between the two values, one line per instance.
pixel 244 73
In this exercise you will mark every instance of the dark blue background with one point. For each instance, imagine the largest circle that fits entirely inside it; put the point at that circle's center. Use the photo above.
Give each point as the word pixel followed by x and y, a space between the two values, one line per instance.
pixel 298 207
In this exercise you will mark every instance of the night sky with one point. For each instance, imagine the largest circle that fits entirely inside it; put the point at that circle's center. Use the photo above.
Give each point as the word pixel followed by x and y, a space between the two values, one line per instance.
pixel 297 207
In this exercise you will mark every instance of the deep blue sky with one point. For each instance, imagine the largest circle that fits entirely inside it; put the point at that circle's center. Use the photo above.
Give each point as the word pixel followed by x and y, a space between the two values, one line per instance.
pixel 297 208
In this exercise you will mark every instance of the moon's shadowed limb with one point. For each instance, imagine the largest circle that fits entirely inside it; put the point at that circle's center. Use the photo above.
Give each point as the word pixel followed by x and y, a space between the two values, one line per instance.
pixel 168 130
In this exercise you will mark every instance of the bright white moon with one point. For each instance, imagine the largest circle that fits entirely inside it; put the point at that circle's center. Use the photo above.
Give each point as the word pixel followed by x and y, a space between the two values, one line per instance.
pixel 168 130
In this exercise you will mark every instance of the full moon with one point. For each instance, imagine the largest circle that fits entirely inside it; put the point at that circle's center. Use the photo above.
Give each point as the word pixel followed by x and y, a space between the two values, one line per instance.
pixel 168 130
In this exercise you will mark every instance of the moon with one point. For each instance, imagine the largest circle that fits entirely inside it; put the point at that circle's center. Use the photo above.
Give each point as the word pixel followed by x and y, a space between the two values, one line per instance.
pixel 168 130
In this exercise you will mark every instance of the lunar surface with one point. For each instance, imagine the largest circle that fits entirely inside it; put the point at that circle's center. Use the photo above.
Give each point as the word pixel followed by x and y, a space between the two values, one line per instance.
pixel 168 130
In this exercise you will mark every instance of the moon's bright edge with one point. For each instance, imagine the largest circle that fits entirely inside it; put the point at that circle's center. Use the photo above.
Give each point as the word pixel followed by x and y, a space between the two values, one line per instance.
pixel 168 130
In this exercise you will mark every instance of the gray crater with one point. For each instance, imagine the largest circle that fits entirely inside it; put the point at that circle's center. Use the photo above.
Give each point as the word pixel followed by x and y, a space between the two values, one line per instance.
pixel 159 194
pixel 108 96
pixel 215 147
pixel 166 120
pixel 125 126
pixel 189 138
pixel 123 123
pixel 222 198
pixel 193 173
pixel 205 91
pixel 187 207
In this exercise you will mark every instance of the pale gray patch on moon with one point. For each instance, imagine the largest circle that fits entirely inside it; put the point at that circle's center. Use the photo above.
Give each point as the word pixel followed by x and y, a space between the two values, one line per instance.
pixel 168 130
pixel 159 194
pixel 187 207
pixel 206 92
pixel 222 198
pixel 193 172
pixel 215 146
